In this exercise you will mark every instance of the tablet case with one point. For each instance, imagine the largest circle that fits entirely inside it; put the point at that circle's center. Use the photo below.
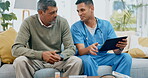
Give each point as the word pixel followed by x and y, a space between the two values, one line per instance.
pixel 110 44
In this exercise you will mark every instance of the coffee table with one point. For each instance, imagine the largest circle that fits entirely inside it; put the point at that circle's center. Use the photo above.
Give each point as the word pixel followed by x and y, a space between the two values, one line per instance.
pixel 88 77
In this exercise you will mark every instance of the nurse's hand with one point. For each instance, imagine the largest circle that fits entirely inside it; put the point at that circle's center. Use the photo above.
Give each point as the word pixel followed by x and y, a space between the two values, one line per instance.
pixel 93 49
pixel 122 44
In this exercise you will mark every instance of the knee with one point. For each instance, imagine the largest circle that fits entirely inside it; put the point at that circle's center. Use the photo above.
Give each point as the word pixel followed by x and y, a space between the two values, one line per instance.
pixel 127 57
pixel 20 61
pixel 77 61
pixel 85 58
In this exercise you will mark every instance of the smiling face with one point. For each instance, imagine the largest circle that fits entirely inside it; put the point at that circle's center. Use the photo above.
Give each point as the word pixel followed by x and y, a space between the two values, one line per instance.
pixel 85 11
pixel 49 15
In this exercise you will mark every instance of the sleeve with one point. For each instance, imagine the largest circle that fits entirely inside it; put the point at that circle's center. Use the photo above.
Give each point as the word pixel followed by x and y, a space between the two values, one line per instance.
pixel 19 47
pixel 76 35
pixel 69 48
pixel 111 32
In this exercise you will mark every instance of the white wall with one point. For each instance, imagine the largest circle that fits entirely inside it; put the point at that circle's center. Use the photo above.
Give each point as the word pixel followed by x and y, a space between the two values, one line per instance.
pixel 102 9
pixel 66 9
pixel 18 12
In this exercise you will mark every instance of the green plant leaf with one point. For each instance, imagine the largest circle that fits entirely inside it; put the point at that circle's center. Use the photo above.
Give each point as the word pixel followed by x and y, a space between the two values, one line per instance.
pixel 9 17
pixel 4 24
pixel 6 17
pixel 13 16
pixel 5 5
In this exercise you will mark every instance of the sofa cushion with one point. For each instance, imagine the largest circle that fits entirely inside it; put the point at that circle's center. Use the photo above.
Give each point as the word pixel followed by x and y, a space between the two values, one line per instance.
pixel 102 70
pixel 7 71
pixel 139 68
pixel 6 41
pixel 138 46
pixel 45 73
pixel 50 72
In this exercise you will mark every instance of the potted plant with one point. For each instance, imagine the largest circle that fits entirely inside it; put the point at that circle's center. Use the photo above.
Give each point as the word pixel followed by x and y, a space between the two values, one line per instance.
pixel 6 18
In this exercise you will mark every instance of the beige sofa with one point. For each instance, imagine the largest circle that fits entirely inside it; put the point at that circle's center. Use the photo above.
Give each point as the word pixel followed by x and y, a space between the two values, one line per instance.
pixel 139 62
pixel 139 66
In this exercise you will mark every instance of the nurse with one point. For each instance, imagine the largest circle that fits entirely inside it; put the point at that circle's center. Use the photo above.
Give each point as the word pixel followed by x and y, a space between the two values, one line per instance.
pixel 88 35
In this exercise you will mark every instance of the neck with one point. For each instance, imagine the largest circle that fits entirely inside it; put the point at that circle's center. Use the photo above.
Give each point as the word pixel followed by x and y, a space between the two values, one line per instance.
pixel 42 21
pixel 91 22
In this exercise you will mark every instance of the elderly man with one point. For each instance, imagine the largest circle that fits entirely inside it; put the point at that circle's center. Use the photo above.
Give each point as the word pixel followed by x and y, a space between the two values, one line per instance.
pixel 45 32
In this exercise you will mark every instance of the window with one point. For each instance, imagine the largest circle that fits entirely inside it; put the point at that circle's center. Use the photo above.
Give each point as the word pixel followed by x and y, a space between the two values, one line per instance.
pixel 130 15
pixel 123 15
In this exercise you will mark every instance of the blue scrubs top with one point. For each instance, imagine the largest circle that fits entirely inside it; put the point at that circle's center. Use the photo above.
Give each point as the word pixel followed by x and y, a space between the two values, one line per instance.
pixel 81 34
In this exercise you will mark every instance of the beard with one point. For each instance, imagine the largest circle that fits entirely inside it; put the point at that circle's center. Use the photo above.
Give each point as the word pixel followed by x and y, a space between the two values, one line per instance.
pixel 52 22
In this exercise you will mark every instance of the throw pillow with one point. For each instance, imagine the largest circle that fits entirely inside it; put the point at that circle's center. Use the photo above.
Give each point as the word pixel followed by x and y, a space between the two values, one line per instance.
pixel 138 47
pixel 6 41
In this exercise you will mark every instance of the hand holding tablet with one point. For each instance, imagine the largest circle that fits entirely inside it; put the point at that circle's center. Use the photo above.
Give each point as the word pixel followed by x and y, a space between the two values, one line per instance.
pixel 110 44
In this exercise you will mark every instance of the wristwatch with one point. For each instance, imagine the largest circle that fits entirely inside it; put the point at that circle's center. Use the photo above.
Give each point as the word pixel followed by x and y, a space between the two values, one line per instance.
pixel 120 49
pixel 62 57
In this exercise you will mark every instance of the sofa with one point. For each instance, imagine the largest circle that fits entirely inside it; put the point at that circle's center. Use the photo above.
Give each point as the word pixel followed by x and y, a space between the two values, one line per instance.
pixel 139 66
pixel 139 70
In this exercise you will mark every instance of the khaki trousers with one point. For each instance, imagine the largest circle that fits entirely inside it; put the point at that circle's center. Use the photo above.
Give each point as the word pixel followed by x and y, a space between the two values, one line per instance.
pixel 25 68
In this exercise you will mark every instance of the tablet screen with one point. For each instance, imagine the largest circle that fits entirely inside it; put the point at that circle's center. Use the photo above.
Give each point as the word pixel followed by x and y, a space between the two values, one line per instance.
pixel 110 44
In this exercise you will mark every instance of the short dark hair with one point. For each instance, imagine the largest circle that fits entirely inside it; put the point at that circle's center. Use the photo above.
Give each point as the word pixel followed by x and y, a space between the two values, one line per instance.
pixel 87 2
pixel 43 4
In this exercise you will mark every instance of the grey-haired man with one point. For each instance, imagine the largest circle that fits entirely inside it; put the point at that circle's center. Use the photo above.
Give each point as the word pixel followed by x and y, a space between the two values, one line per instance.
pixel 45 32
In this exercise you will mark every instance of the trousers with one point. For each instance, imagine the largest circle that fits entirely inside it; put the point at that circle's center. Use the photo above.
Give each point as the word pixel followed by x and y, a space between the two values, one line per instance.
pixel 25 68
pixel 120 63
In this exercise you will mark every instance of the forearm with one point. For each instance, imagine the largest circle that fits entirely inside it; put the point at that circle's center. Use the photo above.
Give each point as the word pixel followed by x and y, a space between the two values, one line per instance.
pixel 68 52
pixel 83 51
pixel 69 48
pixel 19 50
pixel 19 47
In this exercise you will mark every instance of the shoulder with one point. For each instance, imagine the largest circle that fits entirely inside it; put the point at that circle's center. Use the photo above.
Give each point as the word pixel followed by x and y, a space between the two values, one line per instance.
pixel 32 18
pixel 103 21
pixel 60 19
pixel 77 25
pixel 61 23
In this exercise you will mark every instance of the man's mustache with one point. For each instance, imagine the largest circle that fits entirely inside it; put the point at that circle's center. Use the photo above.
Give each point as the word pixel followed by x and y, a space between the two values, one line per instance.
pixel 53 22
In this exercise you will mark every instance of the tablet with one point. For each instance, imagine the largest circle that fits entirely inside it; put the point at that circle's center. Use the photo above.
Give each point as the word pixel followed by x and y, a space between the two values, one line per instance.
pixel 110 44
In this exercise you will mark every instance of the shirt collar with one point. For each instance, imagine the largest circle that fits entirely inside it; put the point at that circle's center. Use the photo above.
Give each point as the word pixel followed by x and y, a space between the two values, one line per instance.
pixel 44 24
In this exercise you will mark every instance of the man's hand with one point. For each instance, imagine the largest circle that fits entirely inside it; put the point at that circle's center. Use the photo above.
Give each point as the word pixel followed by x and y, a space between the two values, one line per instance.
pixel 122 44
pixel 93 49
pixel 50 57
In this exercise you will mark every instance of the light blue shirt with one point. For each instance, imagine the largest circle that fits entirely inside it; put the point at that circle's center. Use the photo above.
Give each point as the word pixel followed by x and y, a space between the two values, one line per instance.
pixel 81 34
